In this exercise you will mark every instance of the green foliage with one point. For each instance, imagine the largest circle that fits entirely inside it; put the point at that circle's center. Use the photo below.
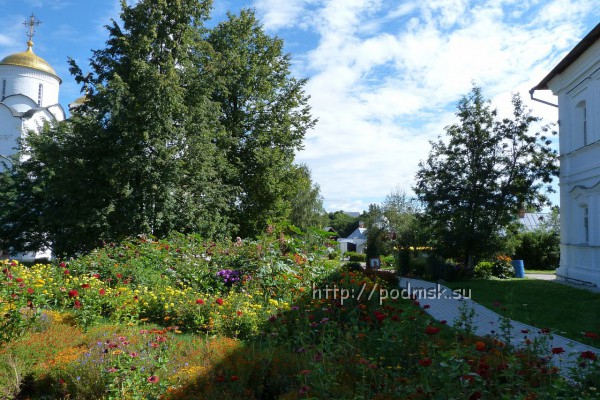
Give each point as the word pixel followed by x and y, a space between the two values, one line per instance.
pixel 183 129
pixel 354 256
pixel 502 268
pixel 264 112
pixel 539 249
pixel 342 223
pixel 474 182
pixel 483 270
pixel 306 203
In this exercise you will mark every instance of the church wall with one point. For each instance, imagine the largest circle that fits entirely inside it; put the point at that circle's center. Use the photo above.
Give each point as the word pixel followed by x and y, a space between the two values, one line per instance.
pixel 26 81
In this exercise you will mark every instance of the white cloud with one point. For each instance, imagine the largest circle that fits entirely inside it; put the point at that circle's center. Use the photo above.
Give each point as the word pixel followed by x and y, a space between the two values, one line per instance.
pixel 385 78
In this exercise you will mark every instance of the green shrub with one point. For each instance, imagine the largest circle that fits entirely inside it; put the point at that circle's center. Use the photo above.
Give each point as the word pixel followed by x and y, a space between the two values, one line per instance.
pixel 483 270
pixel 334 255
pixel 503 268
pixel 448 270
pixel 388 261
pixel 418 265
pixel 539 249
pixel 356 257
pixel 353 266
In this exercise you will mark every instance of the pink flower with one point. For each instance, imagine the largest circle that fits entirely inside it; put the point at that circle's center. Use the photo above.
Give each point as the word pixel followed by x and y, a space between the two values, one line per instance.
pixel 153 379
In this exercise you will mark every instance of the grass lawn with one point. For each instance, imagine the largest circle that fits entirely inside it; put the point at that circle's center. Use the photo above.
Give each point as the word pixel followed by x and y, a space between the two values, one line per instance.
pixel 568 311
pixel 540 271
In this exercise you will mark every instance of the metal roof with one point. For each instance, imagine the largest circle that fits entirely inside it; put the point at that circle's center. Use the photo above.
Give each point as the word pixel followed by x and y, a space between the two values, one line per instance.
pixel 573 55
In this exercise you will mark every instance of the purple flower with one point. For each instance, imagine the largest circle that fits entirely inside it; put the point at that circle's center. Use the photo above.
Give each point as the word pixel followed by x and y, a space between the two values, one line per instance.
pixel 229 276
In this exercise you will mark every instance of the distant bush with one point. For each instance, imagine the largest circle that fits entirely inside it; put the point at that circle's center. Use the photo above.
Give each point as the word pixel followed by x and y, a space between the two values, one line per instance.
pixel 355 257
pixel 539 249
pixel 448 270
pixel 353 266
pixel 483 270
pixel 388 261
pixel 334 255
pixel 502 268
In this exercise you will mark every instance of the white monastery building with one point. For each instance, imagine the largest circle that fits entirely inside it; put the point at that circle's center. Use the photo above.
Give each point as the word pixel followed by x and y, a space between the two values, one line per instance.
pixel 576 82
pixel 29 98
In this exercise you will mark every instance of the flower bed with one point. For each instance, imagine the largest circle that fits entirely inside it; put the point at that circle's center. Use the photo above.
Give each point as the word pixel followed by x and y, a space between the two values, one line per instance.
pixel 267 319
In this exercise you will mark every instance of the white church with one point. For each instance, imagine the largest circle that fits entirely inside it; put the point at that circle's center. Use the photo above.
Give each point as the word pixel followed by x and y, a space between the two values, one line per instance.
pixel 29 98
pixel 576 82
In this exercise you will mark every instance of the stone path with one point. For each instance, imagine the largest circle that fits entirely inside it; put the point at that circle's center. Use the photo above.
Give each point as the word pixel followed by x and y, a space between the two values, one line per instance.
pixel 444 304
pixel 554 278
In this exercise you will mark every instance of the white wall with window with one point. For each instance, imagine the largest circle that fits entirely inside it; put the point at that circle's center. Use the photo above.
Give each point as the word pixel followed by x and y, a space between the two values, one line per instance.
pixel 576 83
pixel 30 89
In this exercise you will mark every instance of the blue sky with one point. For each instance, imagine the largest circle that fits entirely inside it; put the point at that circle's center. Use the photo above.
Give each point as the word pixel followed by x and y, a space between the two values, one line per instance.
pixel 384 75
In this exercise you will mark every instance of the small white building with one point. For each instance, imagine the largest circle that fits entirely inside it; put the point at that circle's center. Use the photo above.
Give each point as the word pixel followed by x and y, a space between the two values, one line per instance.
pixel 576 82
pixel 356 241
pixel 29 98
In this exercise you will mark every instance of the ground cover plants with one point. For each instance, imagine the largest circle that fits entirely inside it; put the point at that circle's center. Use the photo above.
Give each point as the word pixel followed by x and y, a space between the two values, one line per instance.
pixel 183 318
pixel 541 304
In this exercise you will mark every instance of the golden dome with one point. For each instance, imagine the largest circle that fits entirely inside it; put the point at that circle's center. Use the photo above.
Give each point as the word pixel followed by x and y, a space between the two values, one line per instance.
pixel 28 59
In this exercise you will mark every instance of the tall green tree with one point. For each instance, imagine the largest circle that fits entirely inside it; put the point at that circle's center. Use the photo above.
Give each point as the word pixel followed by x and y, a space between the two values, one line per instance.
pixel 477 177
pixel 265 114
pixel 306 203
pixel 141 156
pixel 342 223
pixel 401 215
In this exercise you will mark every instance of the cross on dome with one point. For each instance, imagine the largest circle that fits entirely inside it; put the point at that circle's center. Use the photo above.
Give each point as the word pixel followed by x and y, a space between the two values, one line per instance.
pixel 30 25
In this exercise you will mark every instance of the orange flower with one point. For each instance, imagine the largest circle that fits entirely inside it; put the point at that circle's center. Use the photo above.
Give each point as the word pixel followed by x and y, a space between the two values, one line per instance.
pixel 480 346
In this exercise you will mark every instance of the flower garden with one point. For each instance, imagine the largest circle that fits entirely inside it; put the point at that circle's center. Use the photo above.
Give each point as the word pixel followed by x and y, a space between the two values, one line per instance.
pixel 183 318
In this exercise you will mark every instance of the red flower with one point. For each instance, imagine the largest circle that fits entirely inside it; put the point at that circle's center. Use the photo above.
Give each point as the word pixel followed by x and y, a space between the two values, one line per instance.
pixel 220 378
pixel 557 350
pixel 19 279
pixel 588 355
pixel 77 304
pixel 153 379
pixel 426 306
pixel 102 292
pixel 443 322
pixel 199 301
pixel 30 290
pixel 97 276
pixel 591 335
pixel 85 286
pixel 479 346
pixel 73 293
pixel 432 330
pixel 219 301
pixel 62 265
pixel 119 276
pixel 380 316
pixel 425 362
pixel 234 378
pixel 66 272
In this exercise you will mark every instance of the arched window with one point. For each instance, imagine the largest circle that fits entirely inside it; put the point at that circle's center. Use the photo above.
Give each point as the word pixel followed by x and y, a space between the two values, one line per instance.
pixel 586 224
pixel 40 94
pixel 581 121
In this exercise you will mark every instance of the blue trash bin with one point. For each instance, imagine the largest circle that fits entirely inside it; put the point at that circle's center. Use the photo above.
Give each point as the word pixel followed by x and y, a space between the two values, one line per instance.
pixel 519 267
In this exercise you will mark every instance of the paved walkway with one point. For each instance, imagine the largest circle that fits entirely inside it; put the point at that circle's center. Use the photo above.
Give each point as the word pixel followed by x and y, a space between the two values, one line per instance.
pixel 444 304
pixel 554 278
